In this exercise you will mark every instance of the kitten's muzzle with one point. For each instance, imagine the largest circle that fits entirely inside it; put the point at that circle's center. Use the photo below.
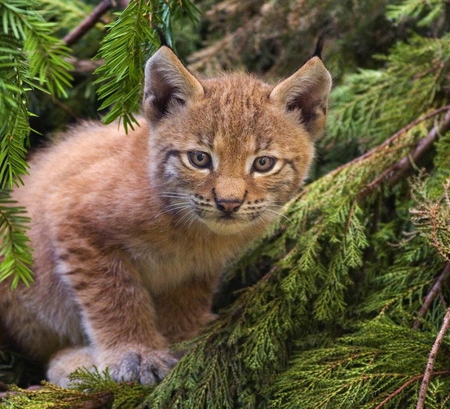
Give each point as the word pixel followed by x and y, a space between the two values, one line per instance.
pixel 228 206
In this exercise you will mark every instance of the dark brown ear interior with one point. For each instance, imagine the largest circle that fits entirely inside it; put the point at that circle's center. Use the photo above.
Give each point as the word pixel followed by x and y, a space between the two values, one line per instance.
pixel 168 84
pixel 162 96
pixel 306 92
pixel 309 109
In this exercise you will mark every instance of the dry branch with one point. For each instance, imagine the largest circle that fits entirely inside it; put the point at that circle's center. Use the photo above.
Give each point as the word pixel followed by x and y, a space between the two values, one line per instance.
pixel 431 360
pixel 405 385
pixel 392 138
pixel 396 172
pixel 432 295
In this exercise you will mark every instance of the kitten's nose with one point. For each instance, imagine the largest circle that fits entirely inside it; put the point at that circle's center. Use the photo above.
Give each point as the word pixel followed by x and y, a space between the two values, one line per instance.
pixel 228 206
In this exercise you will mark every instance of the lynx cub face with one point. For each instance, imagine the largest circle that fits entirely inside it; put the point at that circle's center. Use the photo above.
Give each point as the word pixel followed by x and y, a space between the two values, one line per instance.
pixel 131 232
pixel 231 151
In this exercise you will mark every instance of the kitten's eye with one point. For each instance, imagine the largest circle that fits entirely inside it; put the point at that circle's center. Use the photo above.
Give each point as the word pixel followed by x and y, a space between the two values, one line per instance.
pixel 264 164
pixel 199 159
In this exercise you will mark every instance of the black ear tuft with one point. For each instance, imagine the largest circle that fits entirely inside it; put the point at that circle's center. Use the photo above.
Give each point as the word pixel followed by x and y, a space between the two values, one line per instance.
pixel 162 36
pixel 319 48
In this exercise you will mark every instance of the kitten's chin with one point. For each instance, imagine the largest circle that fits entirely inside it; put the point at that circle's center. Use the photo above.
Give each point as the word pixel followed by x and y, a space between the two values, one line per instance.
pixel 225 227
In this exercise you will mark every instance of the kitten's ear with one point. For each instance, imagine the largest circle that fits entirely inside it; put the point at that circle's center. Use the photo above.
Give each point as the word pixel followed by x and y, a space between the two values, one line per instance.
pixel 306 92
pixel 168 84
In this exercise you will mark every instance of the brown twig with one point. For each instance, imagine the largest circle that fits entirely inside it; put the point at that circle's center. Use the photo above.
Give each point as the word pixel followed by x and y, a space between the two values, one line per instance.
pixel 431 360
pixel 432 295
pixel 392 138
pixel 98 401
pixel 405 385
pixel 88 22
pixel 84 66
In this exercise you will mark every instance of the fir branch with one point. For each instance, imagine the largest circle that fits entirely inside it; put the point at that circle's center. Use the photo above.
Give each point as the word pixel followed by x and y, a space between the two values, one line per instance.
pixel 14 244
pixel 435 289
pixel 64 15
pixel 426 12
pixel 431 360
pixel 88 22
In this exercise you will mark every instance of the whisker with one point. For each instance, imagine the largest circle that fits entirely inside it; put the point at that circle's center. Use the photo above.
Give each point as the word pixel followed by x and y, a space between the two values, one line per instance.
pixel 281 214
pixel 175 207
pixel 176 195
pixel 188 217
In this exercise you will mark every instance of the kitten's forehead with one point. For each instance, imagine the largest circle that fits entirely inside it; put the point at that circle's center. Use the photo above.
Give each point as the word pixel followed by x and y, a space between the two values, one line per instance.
pixel 237 93
pixel 236 109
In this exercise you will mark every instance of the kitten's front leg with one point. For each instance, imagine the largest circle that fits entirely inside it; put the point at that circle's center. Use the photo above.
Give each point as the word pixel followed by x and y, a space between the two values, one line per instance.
pixel 118 316
pixel 184 311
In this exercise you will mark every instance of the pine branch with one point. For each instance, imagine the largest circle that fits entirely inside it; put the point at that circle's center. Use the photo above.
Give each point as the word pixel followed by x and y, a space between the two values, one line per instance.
pixel 88 22
pixel 431 360
pixel 432 295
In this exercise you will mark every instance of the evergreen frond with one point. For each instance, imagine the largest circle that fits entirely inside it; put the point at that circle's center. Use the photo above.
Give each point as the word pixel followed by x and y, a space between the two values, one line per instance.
pixel 372 105
pixel 366 370
pixel 130 40
pixel 14 244
pixel 431 217
pixel 45 54
pixel 425 11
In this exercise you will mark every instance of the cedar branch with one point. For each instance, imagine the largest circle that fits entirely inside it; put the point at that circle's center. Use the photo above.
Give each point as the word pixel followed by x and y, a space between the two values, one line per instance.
pixel 393 174
pixel 432 295
pixel 405 385
pixel 431 360
pixel 392 138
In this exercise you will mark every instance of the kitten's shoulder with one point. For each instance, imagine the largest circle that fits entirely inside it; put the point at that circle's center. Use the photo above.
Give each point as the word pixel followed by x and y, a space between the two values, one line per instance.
pixel 93 140
pixel 94 129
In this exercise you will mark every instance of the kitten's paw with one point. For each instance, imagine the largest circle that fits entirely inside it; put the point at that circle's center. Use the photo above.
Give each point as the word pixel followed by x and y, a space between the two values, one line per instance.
pixel 147 367
pixel 64 362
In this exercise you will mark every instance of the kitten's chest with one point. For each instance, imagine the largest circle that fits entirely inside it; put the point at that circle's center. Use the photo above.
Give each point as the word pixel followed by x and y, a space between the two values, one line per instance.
pixel 163 269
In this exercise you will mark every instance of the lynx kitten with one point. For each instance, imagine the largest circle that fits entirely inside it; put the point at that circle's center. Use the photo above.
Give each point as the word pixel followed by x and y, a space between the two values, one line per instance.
pixel 130 232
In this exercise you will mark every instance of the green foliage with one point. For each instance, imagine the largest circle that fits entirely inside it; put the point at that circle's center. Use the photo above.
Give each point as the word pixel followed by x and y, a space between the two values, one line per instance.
pixel 273 38
pixel 425 11
pixel 372 104
pixel 130 40
pixel 337 307
pixel 364 370
pixel 31 58
pixel 64 15
pixel 14 250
